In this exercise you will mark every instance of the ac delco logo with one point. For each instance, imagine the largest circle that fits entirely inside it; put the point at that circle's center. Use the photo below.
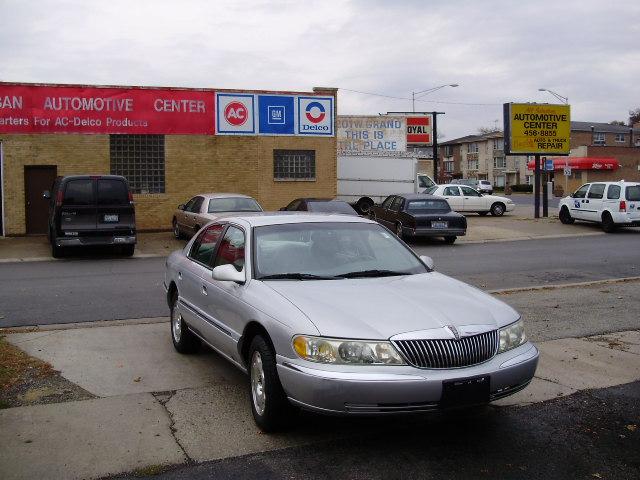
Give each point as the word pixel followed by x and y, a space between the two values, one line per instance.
pixel 236 113
pixel 315 112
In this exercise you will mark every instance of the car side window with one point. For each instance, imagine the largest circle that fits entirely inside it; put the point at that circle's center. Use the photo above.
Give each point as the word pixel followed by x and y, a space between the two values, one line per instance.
pixel 596 191
pixel 387 202
pixel 582 191
pixel 469 191
pixel 203 246
pixel 452 191
pixel 189 204
pixel 197 205
pixel 231 250
pixel 397 204
pixel 613 193
pixel 294 205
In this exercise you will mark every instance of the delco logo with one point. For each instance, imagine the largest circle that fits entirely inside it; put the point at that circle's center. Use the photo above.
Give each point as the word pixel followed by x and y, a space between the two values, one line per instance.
pixel 315 112
pixel 236 113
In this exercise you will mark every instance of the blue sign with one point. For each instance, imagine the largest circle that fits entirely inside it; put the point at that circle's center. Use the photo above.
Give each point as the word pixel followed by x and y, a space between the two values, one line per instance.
pixel 276 114
pixel 548 164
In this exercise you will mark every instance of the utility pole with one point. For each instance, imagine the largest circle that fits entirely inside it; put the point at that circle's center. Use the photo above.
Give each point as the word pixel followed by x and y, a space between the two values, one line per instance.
pixel 436 160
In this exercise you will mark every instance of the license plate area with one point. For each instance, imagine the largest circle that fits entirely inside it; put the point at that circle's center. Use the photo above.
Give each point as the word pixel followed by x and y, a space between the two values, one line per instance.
pixel 111 218
pixel 465 391
pixel 439 224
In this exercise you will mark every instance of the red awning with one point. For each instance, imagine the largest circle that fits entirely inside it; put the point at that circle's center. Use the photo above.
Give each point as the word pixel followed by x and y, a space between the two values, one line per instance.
pixel 580 163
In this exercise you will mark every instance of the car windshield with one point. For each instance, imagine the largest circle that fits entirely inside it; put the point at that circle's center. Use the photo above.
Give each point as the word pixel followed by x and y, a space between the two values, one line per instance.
pixel 633 193
pixel 427 206
pixel 430 190
pixel 233 204
pixel 331 207
pixel 330 250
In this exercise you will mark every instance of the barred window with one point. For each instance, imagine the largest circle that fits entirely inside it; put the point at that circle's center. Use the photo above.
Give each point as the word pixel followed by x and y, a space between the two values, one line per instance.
pixel 294 164
pixel 140 159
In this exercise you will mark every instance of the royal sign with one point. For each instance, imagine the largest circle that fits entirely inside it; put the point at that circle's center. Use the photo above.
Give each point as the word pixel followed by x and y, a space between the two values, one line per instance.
pixel 96 110
pixel 420 130
pixel 315 116
pixel 533 129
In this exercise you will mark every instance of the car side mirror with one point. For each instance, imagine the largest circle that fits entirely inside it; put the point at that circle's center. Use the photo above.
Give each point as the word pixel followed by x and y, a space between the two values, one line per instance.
pixel 181 206
pixel 571 195
pixel 46 194
pixel 228 273
pixel 428 262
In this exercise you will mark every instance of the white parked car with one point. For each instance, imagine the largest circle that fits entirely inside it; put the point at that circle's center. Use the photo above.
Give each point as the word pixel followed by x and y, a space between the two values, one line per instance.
pixel 612 204
pixel 485 186
pixel 467 199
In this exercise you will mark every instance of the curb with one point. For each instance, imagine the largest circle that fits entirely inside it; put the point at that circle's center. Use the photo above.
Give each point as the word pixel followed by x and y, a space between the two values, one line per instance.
pixel 92 324
pixel 608 281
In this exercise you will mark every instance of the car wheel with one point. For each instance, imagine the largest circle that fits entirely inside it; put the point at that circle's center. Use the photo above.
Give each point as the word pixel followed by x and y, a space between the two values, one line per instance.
pixel 372 216
pixel 364 206
pixel 482 214
pixel 497 209
pixel 269 404
pixel 176 230
pixel 607 223
pixel 184 341
pixel 399 230
pixel 565 216
pixel 128 250
pixel 450 239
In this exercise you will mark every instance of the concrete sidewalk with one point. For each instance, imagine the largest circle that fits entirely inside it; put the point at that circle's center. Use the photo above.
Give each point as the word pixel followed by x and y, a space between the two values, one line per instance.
pixel 158 407
pixel 516 225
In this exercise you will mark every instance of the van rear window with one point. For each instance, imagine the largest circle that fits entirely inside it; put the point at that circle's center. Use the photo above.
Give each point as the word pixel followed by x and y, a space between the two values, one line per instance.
pixel 112 192
pixel 633 193
pixel 79 192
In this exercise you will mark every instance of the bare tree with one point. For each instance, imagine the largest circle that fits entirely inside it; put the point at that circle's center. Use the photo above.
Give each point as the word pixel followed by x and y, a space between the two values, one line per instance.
pixel 634 116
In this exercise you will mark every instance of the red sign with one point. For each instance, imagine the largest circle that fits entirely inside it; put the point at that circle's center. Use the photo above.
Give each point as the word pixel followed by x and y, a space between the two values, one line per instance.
pixel 236 113
pixel 581 163
pixel 419 130
pixel 52 109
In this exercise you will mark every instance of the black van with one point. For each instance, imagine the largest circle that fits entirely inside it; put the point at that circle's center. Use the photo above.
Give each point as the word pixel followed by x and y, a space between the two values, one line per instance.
pixel 91 210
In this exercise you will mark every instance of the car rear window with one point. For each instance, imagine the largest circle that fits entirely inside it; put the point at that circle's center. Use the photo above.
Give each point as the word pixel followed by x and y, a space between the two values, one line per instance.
pixel 112 192
pixel 79 192
pixel 633 193
pixel 233 204
pixel 428 206
pixel 331 207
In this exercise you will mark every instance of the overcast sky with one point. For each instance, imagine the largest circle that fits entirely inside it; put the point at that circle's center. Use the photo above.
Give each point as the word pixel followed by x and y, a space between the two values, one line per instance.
pixel 496 51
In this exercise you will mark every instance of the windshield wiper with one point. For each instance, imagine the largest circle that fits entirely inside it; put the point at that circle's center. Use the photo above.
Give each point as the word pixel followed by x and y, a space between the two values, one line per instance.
pixel 297 276
pixel 372 273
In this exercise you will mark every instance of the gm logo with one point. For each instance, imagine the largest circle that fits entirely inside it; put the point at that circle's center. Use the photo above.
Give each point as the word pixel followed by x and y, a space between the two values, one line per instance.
pixel 315 112
pixel 276 115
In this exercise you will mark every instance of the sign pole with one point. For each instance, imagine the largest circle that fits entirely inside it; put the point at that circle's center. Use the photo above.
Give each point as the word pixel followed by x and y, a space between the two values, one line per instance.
pixel 545 195
pixel 435 146
pixel 536 187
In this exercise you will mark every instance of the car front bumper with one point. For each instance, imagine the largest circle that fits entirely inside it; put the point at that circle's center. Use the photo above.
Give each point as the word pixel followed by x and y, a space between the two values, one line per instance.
pixel 397 389
pixel 98 241
pixel 510 207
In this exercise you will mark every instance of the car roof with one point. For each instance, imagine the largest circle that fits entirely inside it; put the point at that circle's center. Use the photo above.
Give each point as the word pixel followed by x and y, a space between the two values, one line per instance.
pixel 260 219
pixel 418 196
pixel 83 177
pixel 209 196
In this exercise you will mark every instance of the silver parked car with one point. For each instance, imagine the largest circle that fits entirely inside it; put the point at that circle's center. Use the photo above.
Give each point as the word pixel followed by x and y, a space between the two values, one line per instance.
pixel 203 208
pixel 335 314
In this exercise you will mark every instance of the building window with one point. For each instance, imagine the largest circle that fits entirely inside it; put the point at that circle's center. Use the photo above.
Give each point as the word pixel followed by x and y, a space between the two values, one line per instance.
pixel 620 137
pixel 472 164
pixel 598 138
pixel 140 159
pixel 500 162
pixel 528 179
pixel 472 147
pixel 448 167
pixel 498 143
pixel 448 150
pixel 294 164
pixel 499 181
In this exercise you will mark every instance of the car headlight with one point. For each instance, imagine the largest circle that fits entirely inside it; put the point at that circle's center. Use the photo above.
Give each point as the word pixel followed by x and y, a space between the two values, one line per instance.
pixel 512 336
pixel 346 351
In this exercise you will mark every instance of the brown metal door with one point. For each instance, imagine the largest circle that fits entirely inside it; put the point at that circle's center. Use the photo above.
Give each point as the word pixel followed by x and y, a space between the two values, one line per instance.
pixel 37 179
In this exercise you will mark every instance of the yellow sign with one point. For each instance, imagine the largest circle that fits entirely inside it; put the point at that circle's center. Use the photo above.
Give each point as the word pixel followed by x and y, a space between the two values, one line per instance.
pixel 537 129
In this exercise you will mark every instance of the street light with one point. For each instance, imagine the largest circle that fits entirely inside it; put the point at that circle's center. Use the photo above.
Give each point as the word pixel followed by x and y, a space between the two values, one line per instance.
pixel 427 91
pixel 564 100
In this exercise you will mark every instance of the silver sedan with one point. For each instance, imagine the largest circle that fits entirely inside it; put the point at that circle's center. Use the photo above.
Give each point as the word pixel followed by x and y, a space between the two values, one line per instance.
pixel 203 208
pixel 333 313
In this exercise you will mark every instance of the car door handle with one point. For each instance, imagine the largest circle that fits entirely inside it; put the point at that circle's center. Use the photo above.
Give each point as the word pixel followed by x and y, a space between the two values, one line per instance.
pixel 179 275
pixel 204 290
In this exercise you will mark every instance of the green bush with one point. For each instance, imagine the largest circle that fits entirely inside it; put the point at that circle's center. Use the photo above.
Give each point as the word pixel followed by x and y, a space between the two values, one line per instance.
pixel 522 187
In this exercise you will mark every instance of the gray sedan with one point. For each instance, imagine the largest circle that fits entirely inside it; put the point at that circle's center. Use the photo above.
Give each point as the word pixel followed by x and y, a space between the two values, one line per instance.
pixel 203 208
pixel 333 313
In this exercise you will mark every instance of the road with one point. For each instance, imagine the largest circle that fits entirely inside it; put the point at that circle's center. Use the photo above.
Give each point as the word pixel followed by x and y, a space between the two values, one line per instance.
pixel 530 200
pixel 89 289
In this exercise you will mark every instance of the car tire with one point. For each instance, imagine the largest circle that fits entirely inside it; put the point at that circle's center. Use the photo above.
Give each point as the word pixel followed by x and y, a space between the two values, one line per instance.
pixel 565 217
pixel 128 250
pixel 56 251
pixel 498 209
pixel 399 230
pixel 269 405
pixel 372 216
pixel 176 230
pixel 364 206
pixel 608 224
pixel 184 341
pixel 483 214
pixel 450 239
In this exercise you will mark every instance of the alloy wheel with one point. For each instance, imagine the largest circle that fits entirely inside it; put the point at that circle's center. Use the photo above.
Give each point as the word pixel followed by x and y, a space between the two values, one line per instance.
pixel 176 324
pixel 258 394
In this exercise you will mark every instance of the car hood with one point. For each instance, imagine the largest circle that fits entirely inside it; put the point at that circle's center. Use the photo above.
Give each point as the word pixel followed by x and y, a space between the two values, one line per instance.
pixel 497 198
pixel 379 308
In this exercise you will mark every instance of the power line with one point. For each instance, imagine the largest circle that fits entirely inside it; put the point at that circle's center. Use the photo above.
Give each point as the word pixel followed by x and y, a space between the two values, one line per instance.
pixel 420 100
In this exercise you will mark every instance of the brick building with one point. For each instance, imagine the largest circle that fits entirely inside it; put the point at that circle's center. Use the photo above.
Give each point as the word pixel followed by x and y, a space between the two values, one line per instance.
pixel 170 144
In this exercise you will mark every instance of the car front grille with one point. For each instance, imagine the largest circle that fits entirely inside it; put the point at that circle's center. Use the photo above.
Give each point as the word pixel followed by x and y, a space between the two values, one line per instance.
pixel 448 353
